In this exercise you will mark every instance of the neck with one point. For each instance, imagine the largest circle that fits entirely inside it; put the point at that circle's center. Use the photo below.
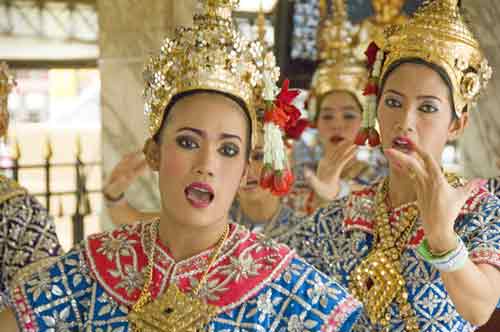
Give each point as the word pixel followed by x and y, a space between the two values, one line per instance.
pixel 262 209
pixel 400 189
pixel 184 240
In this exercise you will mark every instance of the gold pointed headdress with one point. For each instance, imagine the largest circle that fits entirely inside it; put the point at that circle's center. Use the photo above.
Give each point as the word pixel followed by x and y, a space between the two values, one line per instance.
pixel 7 82
pixel 437 33
pixel 211 55
pixel 338 69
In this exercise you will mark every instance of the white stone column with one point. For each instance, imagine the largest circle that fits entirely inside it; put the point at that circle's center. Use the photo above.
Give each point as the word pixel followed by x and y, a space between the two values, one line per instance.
pixel 129 31
pixel 480 144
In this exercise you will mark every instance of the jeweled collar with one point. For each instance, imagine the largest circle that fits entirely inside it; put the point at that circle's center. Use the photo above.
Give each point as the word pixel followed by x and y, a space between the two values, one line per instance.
pixel 246 264
pixel 360 211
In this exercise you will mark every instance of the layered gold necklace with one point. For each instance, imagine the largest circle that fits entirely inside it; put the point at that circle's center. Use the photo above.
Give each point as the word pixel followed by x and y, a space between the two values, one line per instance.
pixel 174 310
pixel 377 281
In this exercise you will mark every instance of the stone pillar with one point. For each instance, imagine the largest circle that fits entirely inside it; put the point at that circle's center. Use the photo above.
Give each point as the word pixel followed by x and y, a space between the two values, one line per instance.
pixel 129 31
pixel 480 144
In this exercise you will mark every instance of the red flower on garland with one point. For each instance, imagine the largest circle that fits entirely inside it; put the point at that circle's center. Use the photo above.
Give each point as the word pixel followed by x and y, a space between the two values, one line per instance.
pixel 296 131
pixel 277 116
pixel 286 96
pixel 370 89
pixel 284 101
pixel 266 177
pixel 371 54
pixel 373 138
pixel 368 134
pixel 361 137
pixel 282 183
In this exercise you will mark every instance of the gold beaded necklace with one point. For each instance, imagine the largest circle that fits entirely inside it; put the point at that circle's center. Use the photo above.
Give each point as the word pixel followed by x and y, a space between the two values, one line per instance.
pixel 377 281
pixel 174 310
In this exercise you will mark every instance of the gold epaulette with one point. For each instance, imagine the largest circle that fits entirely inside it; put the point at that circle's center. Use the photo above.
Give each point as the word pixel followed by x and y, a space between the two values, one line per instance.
pixel 21 276
pixel 9 188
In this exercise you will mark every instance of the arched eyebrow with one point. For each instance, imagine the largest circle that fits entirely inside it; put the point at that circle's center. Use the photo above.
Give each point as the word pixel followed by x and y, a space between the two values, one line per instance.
pixel 202 133
pixel 418 97
pixel 343 108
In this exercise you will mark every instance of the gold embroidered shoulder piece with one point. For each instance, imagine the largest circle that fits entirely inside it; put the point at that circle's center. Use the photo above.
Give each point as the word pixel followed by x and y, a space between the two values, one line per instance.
pixel 9 188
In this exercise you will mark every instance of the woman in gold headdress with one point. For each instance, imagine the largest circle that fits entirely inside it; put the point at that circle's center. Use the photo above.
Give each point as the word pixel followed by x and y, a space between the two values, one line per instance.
pixel 27 233
pixel 191 269
pixel 254 207
pixel 386 13
pixel 421 249
pixel 336 105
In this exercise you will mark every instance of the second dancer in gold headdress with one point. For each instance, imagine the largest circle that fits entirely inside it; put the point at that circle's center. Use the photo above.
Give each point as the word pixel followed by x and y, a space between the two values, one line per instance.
pixel 335 105
pixel 420 249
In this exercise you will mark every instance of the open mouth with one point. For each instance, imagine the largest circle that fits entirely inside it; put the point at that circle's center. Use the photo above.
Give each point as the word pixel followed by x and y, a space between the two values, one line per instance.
pixel 336 139
pixel 251 184
pixel 199 195
pixel 403 144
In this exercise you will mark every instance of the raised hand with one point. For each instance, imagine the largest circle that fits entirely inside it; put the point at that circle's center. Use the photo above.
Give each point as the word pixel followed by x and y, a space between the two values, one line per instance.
pixel 439 203
pixel 326 181
pixel 124 173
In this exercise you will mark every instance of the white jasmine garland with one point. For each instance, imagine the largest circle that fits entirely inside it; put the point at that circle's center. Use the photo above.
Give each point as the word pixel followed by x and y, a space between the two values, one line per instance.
pixel 274 148
pixel 377 66
pixel 270 90
pixel 372 109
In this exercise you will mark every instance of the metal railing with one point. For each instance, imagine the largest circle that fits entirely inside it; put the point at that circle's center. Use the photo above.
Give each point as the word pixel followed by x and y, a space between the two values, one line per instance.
pixel 81 193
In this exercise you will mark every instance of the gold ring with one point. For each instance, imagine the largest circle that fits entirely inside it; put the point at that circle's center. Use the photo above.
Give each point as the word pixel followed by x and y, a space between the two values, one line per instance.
pixel 412 175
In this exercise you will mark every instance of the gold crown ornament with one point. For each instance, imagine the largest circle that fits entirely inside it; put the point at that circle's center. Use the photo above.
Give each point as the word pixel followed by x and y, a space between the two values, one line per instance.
pixel 338 70
pixel 438 34
pixel 7 83
pixel 212 55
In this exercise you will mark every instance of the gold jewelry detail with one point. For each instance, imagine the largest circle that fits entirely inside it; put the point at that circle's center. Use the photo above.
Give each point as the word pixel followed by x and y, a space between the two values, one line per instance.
pixel 173 310
pixel 212 55
pixel 377 281
pixel 338 70
pixel 437 33
pixel 412 174
pixel 7 83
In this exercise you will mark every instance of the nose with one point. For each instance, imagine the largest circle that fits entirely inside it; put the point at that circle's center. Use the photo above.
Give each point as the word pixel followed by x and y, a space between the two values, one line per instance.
pixel 207 162
pixel 407 121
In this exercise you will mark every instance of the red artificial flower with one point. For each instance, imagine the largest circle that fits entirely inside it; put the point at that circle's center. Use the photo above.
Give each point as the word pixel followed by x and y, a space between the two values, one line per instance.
pixel 370 89
pixel 296 131
pixel 282 183
pixel 371 54
pixel 277 116
pixel 284 102
pixel 266 177
pixel 286 96
pixel 361 137
pixel 373 138
pixel 293 115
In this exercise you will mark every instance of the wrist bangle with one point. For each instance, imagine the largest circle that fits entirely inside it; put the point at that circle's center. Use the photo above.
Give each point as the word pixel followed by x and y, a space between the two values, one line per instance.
pixel 110 200
pixel 452 261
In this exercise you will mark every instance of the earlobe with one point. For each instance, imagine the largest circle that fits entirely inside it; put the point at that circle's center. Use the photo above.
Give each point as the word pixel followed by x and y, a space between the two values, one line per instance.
pixel 152 152
pixel 458 126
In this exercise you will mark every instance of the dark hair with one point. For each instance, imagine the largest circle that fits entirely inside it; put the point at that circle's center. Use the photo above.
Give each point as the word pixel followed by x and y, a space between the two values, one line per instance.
pixel 320 101
pixel 237 100
pixel 442 73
